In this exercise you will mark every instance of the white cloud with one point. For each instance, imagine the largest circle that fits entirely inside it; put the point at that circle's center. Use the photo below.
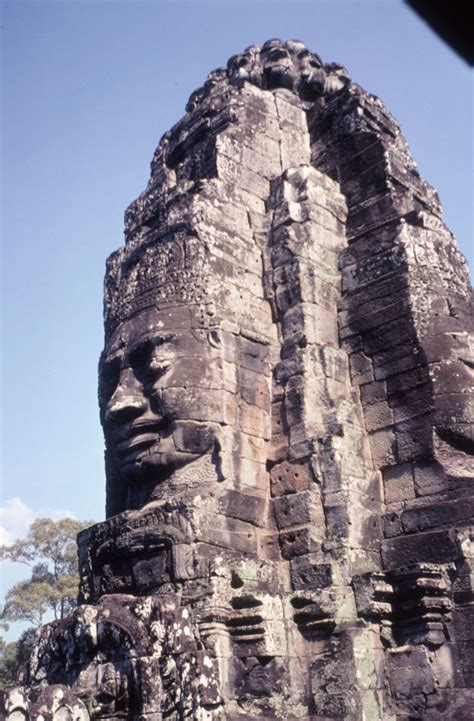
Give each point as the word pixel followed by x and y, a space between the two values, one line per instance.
pixel 16 518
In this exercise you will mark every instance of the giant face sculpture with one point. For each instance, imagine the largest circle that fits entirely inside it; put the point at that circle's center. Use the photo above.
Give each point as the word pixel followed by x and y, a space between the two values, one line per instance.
pixel 161 386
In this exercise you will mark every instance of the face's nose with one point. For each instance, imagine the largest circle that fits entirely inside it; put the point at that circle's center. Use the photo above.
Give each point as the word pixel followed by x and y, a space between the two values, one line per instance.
pixel 127 401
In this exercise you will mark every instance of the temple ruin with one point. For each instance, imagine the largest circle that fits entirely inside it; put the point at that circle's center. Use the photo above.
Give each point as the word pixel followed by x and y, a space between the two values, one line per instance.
pixel 286 393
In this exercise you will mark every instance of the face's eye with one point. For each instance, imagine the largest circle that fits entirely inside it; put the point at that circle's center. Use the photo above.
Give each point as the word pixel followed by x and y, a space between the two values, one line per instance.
pixel 149 362
pixel 307 58
pixel 159 365
pixel 277 54
pixel 139 360
pixel 108 381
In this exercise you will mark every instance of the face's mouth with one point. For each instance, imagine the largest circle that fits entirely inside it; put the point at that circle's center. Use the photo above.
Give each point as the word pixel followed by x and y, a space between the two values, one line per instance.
pixel 279 73
pixel 138 435
pixel 280 66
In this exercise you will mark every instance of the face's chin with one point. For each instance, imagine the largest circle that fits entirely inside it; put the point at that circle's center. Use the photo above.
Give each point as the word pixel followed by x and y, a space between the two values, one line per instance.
pixel 151 466
pixel 279 75
pixel 149 459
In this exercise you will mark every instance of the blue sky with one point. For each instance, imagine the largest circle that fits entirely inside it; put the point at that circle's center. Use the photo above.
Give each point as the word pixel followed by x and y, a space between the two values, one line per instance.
pixel 88 90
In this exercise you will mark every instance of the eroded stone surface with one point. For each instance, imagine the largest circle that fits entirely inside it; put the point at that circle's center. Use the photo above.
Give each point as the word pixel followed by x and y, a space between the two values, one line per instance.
pixel 286 395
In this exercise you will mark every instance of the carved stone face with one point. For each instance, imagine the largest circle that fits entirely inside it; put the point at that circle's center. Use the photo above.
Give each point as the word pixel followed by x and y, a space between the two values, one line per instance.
pixel 160 389
pixel 246 66
pixel 312 74
pixel 279 68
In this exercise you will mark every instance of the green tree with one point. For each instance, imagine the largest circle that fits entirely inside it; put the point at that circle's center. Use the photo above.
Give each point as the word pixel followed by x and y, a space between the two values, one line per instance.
pixel 14 656
pixel 49 549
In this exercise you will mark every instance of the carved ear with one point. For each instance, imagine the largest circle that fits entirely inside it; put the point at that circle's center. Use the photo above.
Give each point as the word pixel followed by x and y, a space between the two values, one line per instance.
pixel 217 460
pixel 214 338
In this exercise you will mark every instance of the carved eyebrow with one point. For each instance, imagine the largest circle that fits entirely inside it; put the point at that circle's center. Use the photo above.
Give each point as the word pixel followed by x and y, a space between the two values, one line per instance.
pixel 108 363
pixel 117 359
pixel 153 342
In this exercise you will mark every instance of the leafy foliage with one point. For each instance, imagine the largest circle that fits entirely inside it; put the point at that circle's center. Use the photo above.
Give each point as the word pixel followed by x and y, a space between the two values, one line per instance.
pixel 50 550
pixel 14 656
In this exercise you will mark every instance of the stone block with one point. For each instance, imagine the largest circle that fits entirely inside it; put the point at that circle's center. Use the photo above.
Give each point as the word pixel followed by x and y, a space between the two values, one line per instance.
pixel 377 416
pixel 287 297
pixel 268 166
pixel 411 680
pixel 374 392
pixel 254 388
pixel 301 444
pixel 290 478
pixel 193 437
pixel 449 376
pixel 337 516
pixel 414 439
pixel 454 409
pixel 253 448
pixel 387 336
pixel 254 421
pixel 278 418
pixel 253 475
pixel 383 448
pixel 441 346
pixel 297 509
pixel 335 364
pixel 200 405
pixel 387 364
pixel 289 112
pixel 431 547
pixel 373 595
pixel 408 379
pixel 244 506
pixel 463 624
pixel 278 448
pixel 409 397
pixel 298 542
pixel 295 400
pixel 412 409
pixel 289 367
pixel 230 533
pixel 332 676
pixel 391 525
pixel 295 147
pixel 254 356
pixel 151 572
pixel 308 572
pixel 437 515
pixel 370 321
pixel 398 483
pixel 360 368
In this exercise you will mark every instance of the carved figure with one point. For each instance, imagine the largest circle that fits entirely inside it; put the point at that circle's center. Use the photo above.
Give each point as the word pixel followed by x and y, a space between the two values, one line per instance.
pixel 286 397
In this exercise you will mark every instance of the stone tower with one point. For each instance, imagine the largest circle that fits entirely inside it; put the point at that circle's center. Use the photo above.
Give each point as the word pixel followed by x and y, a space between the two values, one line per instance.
pixel 286 392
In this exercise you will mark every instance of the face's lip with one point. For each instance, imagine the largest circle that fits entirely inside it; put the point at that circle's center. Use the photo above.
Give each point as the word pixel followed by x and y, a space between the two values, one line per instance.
pixel 137 436
pixel 280 65
pixel 137 429
pixel 135 443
